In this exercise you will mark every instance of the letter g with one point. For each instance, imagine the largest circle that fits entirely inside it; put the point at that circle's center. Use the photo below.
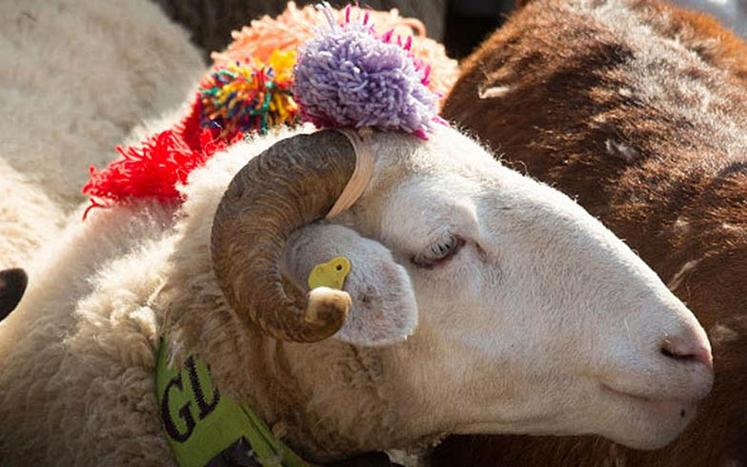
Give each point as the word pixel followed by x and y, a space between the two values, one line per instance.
pixel 184 413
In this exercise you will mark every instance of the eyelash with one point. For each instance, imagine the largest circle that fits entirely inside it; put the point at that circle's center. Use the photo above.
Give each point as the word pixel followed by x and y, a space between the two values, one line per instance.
pixel 439 251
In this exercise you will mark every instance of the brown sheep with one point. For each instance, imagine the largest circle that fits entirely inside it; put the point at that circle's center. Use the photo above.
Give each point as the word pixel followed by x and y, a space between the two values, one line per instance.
pixel 639 110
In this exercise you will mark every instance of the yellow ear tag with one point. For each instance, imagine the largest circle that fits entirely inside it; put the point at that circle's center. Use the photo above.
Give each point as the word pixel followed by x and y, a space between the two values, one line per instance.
pixel 331 274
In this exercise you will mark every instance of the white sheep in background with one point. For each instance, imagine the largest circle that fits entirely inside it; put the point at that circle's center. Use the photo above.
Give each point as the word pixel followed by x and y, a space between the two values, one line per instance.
pixel 531 316
pixel 76 76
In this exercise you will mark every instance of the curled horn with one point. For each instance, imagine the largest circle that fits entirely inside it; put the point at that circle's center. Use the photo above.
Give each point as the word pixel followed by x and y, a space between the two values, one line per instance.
pixel 293 183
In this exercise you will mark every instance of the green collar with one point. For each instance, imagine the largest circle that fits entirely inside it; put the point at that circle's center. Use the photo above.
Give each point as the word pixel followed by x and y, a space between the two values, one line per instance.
pixel 207 428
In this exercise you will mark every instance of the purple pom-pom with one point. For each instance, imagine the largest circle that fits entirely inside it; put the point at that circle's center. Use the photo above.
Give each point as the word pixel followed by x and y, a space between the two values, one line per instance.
pixel 348 77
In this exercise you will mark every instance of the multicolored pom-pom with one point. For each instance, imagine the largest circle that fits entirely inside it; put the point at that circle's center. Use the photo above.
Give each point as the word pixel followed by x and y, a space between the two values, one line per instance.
pixel 351 77
pixel 250 96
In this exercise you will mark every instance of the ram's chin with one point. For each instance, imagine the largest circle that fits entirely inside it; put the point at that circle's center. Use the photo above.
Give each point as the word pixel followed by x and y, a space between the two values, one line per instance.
pixel 631 420
pixel 644 423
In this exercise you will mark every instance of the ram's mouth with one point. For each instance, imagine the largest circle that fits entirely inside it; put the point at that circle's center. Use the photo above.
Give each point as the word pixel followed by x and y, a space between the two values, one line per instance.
pixel 660 407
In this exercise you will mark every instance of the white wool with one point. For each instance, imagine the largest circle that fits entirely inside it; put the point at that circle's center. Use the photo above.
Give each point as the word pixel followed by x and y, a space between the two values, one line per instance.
pixel 28 218
pixel 88 322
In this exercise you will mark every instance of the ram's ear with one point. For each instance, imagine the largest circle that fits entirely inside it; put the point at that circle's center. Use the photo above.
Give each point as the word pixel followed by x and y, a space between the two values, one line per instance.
pixel 12 286
pixel 384 309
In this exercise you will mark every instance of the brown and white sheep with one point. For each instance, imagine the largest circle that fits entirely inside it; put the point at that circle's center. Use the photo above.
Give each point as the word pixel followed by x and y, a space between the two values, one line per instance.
pixel 639 110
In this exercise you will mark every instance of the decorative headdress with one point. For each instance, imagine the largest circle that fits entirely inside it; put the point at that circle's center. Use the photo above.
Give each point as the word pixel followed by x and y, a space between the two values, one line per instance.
pixel 295 26
pixel 346 75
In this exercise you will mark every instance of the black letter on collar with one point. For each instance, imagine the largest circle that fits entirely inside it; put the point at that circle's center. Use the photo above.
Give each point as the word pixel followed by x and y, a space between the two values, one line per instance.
pixel 168 422
pixel 205 407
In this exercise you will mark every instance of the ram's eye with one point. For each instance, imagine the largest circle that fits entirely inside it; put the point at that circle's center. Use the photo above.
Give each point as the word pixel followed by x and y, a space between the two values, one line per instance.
pixel 438 252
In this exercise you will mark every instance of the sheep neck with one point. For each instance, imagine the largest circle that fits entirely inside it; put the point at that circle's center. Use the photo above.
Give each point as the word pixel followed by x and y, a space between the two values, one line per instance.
pixel 203 425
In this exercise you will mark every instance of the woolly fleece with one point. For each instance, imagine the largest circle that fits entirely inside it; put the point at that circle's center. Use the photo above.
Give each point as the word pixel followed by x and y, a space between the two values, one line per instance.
pixel 91 323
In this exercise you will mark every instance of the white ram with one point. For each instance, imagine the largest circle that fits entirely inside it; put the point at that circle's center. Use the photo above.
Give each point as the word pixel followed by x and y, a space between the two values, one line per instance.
pixel 524 314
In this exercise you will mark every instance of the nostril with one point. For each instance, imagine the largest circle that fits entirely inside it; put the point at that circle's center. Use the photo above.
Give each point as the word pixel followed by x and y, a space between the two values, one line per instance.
pixel 686 353
pixel 669 354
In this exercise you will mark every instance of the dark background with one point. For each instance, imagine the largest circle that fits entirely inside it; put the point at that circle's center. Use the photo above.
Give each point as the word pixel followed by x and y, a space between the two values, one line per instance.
pixel 459 24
